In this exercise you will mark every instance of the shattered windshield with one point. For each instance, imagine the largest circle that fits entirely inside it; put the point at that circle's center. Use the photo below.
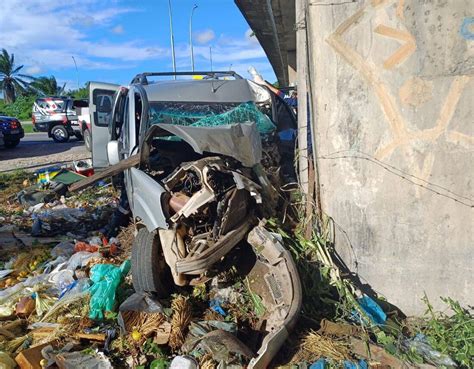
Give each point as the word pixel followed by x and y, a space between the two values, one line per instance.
pixel 209 114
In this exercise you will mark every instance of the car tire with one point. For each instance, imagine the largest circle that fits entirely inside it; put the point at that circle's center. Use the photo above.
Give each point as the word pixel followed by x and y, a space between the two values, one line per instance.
pixel 88 139
pixel 150 273
pixel 59 134
pixel 11 144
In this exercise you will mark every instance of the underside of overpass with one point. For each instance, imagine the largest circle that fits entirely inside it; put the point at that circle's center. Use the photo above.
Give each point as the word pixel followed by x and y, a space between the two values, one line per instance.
pixel 273 22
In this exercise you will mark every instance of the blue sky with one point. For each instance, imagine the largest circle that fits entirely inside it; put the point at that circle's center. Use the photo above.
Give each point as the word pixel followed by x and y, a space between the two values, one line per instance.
pixel 112 40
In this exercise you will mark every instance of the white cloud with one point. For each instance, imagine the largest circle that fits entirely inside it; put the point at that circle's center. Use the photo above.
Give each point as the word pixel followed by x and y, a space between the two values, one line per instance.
pixel 250 36
pixel 118 29
pixel 45 34
pixel 203 37
pixel 34 69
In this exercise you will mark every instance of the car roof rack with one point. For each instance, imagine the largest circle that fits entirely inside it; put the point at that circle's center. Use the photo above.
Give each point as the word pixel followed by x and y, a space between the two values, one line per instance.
pixel 142 77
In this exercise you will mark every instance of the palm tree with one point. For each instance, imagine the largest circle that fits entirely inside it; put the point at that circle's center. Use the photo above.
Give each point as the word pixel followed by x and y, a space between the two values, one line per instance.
pixel 47 86
pixel 11 81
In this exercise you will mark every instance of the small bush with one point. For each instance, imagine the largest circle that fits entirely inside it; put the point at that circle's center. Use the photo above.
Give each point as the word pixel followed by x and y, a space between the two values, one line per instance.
pixel 21 108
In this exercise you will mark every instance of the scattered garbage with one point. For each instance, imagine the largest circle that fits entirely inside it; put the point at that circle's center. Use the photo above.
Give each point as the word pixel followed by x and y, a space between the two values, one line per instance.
pixel 67 298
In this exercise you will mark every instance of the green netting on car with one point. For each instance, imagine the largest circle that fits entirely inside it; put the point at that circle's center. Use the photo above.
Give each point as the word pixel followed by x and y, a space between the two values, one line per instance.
pixel 210 115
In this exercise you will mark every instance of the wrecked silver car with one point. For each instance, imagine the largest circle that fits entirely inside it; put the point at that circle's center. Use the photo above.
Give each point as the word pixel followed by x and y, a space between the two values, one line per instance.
pixel 199 192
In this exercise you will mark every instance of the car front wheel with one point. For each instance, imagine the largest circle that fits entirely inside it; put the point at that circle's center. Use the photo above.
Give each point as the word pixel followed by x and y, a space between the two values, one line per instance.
pixel 150 273
pixel 12 144
pixel 60 134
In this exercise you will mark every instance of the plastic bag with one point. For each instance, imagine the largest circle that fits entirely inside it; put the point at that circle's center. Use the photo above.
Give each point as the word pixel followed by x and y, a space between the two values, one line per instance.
pixel 106 278
pixel 64 248
pixel 422 347
pixel 80 259
pixel 61 279
pixel 373 311
pixel 183 362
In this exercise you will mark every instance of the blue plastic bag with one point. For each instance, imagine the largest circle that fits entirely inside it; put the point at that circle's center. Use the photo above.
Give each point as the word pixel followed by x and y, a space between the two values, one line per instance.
pixel 215 304
pixel 362 364
pixel 374 312
pixel 320 364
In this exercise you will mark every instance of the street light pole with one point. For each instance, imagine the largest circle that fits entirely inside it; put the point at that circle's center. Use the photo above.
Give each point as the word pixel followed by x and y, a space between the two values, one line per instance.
pixel 210 55
pixel 172 37
pixel 77 72
pixel 191 35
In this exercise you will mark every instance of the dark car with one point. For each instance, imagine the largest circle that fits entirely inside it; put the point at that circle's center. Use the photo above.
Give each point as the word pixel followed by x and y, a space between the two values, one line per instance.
pixel 57 117
pixel 12 131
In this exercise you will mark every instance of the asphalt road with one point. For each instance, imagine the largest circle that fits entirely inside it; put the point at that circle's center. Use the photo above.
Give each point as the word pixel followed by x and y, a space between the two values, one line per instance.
pixel 38 150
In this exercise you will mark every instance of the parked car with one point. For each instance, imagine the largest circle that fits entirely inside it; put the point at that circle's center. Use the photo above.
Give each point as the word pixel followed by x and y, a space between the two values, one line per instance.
pixel 12 131
pixel 200 189
pixel 2 142
pixel 56 116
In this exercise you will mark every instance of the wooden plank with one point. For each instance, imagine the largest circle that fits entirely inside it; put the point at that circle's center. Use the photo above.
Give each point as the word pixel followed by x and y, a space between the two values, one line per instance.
pixel 41 333
pixel 113 170
pixel 30 358
pixel 91 336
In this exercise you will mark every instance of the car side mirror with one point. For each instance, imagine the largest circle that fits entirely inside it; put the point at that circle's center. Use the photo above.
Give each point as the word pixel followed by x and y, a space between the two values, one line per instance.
pixel 113 152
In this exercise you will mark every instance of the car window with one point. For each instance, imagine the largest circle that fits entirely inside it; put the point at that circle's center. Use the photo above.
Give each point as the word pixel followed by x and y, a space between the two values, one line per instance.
pixel 208 114
pixel 102 100
pixel 105 104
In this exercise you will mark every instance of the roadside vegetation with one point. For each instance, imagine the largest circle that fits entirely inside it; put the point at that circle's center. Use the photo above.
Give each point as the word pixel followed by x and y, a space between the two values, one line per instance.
pixel 21 90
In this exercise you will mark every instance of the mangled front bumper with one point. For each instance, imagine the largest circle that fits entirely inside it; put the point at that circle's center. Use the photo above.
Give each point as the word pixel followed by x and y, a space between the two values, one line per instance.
pixel 275 279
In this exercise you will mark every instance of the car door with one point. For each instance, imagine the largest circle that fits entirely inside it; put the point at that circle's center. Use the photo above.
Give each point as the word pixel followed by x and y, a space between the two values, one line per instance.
pixel 101 96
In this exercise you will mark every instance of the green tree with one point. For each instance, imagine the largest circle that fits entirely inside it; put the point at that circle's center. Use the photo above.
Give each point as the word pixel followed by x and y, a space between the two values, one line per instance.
pixel 20 109
pixel 80 93
pixel 47 86
pixel 11 81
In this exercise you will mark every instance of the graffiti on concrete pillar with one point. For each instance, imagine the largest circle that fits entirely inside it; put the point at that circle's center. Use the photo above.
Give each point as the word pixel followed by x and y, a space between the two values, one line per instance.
pixel 467 28
pixel 404 52
pixel 413 91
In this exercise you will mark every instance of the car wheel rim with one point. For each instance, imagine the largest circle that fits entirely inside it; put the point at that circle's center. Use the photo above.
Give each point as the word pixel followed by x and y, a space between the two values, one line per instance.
pixel 59 134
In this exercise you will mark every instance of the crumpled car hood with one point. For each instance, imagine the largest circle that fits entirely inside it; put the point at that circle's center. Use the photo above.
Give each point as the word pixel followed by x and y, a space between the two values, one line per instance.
pixel 240 141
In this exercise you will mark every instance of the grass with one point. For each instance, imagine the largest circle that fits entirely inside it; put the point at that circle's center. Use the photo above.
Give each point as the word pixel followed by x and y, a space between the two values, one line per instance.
pixel 451 334
pixel 28 128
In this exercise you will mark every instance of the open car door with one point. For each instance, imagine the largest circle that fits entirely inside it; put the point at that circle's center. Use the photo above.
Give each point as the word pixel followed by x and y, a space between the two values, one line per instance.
pixel 101 102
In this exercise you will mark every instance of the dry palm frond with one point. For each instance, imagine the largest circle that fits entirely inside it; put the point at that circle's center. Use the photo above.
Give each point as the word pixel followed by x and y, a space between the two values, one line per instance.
pixel 179 321
pixel 13 345
pixel 314 346
pixel 126 237
pixel 206 362
pixel 145 323
pixel 77 303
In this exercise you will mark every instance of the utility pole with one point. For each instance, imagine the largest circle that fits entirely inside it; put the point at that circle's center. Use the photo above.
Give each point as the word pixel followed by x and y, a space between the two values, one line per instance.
pixel 77 72
pixel 191 36
pixel 210 55
pixel 172 37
